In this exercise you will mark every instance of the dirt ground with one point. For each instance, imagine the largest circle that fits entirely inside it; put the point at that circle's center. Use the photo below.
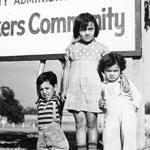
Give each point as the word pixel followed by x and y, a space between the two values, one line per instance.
pixel 26 139
pixel 10 140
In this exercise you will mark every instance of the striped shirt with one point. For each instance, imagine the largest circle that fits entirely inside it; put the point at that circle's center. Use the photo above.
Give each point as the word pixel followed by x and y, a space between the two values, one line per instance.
pixel 45 111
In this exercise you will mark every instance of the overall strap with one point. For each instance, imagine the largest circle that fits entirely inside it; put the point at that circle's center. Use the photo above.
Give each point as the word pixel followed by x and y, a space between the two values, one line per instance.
pixel 54 112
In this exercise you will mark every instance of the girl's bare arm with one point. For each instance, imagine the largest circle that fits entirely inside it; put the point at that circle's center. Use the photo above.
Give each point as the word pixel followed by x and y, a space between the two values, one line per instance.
pixel 65 78
pixel 125 85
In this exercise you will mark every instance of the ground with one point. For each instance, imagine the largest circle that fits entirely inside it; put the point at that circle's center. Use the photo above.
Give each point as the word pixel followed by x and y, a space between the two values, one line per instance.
pixel 21 140
pixel 26 138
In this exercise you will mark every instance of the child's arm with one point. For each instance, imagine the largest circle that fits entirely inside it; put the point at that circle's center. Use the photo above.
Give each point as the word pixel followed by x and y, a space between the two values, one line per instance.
pixel 125 86
pixel 102 101
pixel 65 78
pixel 40 70
pixel 41 67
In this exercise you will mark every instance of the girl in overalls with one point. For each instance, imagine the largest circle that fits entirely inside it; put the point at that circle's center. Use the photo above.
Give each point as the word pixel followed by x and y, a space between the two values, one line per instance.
pixel 119 131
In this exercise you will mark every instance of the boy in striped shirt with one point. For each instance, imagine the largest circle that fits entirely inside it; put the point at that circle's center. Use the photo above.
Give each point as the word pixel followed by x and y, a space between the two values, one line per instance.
pixel 50 107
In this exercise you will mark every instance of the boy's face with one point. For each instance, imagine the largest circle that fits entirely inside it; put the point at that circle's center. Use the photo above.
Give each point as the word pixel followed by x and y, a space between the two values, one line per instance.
pixel 47 90
pixel 87 35
pixel 112 73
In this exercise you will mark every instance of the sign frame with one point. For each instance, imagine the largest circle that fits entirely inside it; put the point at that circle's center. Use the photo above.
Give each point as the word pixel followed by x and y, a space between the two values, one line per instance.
pixel 133 53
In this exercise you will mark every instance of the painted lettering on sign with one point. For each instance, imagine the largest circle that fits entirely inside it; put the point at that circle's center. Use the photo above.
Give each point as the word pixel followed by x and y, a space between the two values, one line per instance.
pixel 62 24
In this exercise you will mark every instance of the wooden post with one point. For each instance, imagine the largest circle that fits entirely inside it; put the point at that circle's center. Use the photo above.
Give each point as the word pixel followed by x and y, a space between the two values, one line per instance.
pixel 137 76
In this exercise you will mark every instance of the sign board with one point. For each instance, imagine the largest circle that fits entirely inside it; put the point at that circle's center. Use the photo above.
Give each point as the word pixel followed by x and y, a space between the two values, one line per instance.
pixel 31 29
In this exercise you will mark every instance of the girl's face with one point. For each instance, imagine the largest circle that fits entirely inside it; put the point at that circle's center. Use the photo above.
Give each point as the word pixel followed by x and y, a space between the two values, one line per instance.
pixel 112 73
pixel 47 90
pixel 87 35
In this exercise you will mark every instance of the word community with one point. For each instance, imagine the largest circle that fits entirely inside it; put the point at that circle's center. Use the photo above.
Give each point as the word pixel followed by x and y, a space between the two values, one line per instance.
pixel 36 24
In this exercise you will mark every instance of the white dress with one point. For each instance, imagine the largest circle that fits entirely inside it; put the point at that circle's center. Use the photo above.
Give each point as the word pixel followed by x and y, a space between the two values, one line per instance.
pixel 84 84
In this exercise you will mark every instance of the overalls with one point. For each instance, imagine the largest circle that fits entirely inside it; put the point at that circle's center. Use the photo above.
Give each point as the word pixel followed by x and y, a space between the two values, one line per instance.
pixel 120 120
pixel 52 137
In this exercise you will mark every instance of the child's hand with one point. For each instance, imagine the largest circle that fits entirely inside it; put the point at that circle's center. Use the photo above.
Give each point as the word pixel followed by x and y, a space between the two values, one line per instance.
pixel 135 108
pixel 101 103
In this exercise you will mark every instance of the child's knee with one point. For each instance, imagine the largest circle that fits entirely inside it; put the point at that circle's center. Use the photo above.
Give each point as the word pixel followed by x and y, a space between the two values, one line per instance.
pixel 92 124
pixel 81 123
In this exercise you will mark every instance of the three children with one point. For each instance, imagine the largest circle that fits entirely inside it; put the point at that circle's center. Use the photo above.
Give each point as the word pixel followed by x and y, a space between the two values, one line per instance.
pixel 81 90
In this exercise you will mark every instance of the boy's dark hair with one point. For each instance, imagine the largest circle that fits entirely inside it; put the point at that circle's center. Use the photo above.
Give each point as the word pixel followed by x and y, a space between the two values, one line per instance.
pixel 46 76
pixel 109 60
pixel 82 21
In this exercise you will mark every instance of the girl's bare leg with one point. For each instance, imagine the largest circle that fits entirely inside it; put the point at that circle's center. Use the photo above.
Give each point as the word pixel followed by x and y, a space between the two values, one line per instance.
pixel 92 130
pixel 80 120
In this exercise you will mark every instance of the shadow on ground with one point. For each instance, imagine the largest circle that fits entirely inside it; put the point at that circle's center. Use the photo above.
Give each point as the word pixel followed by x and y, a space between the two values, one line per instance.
pixel 28 141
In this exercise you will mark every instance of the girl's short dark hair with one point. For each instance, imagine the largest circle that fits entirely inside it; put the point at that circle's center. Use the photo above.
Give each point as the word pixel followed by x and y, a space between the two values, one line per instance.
pixel 46 76
pixel 82 21
pixel 111 59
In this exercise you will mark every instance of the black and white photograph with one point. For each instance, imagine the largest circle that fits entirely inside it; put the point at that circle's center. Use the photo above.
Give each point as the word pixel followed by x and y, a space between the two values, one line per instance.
pixel 74 75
